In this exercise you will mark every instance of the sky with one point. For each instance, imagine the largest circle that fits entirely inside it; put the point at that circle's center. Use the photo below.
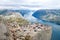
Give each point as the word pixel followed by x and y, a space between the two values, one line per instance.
pixel 30 4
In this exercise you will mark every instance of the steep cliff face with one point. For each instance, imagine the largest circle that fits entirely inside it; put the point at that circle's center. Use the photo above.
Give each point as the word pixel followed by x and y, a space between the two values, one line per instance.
pixel 3 31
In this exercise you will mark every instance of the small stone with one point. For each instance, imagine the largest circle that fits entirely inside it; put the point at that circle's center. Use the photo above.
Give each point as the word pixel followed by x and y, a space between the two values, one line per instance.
pixel 35 30
pixel 34 27
pixel 38 27
pixel 25 30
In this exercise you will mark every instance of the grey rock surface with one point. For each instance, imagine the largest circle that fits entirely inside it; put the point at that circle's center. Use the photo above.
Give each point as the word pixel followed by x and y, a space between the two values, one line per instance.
pixel 3 30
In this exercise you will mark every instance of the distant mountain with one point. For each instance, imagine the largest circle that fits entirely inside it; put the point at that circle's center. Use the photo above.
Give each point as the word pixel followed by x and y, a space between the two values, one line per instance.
pixel 49 15
pixel 3 11
pixel 39 13
pixel 22 11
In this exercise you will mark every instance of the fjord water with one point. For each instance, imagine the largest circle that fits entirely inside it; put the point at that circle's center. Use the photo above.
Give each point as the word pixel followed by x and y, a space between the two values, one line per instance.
pixel 55 30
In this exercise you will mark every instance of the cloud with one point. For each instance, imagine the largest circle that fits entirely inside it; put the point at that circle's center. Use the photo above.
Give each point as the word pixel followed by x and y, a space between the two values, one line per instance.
pixel 43 4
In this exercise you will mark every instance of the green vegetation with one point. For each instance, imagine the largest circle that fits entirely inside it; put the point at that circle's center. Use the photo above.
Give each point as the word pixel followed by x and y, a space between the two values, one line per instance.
pixel 19 20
